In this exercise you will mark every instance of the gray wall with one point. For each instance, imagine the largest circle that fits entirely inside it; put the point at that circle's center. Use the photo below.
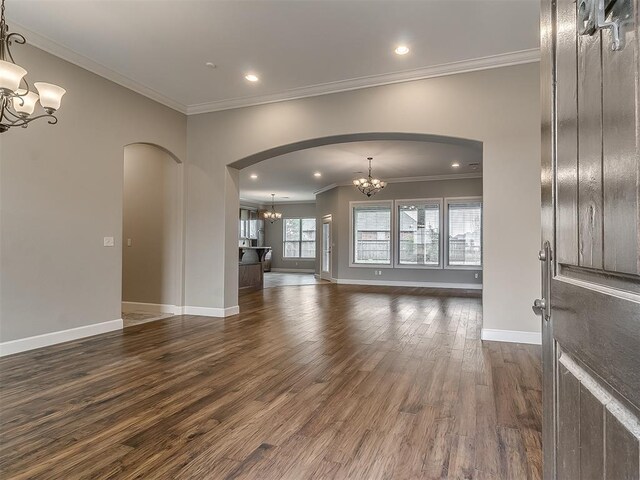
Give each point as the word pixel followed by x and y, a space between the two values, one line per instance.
pixel 335 202
pixel 499 107
pixel 152 200
pixel 273 236
pixel 61 193
pixel 61 186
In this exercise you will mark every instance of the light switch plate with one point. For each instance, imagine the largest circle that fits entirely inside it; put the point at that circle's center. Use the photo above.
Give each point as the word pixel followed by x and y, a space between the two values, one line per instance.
pixel 109 242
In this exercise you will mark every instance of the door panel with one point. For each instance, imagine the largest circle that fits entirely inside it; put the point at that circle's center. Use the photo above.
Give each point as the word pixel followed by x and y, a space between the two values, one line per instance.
pixel 620 142
pixel 589 151
pixel 591 435
pixel 597 433
pixel 591 217
pixel 567 136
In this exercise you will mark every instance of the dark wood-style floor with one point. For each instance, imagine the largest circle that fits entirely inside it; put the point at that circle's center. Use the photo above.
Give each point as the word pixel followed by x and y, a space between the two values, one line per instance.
pixel 317 381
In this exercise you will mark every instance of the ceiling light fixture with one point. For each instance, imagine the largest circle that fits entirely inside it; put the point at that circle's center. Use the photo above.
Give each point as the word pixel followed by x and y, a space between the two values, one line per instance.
pixel 17 100
pixel 254 176
pixel 455 165
pixel 272 215
pixel 317 174
pixel 369 186
pixel 251 77
pixel 402 50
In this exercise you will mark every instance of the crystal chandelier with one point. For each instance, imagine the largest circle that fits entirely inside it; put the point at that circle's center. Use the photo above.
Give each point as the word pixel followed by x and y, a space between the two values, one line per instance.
pixel 272 215
pixel 369 186
pixel 17 99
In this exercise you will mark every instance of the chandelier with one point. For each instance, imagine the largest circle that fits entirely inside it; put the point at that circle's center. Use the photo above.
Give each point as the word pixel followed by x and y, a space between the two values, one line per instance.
pixel 272 215
pixel 369 186
pixel 17 99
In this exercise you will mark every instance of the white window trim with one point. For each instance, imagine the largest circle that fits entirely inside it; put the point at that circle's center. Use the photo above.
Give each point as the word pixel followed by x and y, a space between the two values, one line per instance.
pixel 457 200
pixel 396 254
pixel 353 204
pixel 284 240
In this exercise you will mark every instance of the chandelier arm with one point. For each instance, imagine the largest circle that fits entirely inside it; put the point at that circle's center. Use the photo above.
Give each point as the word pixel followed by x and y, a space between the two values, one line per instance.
pixel 9 111
pixel 24 121
pixel 27 87
pixel 13 37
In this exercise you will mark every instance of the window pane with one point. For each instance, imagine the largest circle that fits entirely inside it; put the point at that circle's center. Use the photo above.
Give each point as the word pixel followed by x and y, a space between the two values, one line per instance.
pixel 308 249
pixel 292 229
pixel 308 229
pixel 419 232
pixel 465 234
pixel 291 249
pixel 372 234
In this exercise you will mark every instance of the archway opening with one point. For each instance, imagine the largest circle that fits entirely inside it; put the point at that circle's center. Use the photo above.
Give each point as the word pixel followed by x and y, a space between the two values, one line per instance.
pixel 431 177
pixel 151 234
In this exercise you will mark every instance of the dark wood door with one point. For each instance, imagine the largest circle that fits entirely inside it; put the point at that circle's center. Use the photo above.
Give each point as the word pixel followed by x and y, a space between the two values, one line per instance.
pixel 591 230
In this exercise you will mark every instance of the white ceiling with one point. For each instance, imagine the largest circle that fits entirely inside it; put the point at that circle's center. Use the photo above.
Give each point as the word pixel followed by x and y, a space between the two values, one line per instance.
pixel 297 47
pixel 291 178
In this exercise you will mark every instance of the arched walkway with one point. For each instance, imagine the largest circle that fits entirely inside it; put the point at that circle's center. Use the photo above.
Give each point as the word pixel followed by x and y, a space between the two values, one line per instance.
pixel 152 241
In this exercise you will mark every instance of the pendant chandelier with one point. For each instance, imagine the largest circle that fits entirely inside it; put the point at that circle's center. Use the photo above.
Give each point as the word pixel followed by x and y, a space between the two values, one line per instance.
pixel 17 100
pixel 272 215
pixel 369 186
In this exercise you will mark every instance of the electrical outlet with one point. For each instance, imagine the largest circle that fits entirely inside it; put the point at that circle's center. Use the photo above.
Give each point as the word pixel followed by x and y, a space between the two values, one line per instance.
pixel 477 275
pixel 129 242
pixel 109 242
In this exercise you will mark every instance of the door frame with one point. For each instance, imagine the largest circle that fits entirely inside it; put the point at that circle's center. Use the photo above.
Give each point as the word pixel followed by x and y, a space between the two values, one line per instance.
pixel 548 154
pixel 326 275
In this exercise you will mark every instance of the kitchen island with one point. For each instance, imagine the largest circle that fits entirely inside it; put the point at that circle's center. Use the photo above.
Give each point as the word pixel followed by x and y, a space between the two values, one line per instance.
pixel 251 268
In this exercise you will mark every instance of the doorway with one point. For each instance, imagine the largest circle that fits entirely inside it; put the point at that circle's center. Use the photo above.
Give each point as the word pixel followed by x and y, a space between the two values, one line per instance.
pixel 151 234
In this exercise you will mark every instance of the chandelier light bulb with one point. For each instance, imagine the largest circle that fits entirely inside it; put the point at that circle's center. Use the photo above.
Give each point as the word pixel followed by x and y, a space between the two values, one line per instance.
pixel 50 95
pixel 25 103
pixel 10 76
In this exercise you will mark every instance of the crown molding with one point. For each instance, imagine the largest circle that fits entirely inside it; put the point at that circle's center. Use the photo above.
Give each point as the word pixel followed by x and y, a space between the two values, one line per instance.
pixel 433 178
pixel 465 66
pixel 71 56
pixel 424 178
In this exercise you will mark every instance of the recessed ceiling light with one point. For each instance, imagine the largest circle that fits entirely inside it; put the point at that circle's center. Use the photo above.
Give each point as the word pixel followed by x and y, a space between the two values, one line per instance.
pixel 254 176
pixel 402 50
pixel 455 165
pixel 251 77
pixel 317 174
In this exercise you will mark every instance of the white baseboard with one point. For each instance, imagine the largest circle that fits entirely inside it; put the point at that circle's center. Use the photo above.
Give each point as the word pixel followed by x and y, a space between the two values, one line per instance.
pixel 513 336
pixel 210 311
pixel 319 277
pixel 179 310
pixel 293 270
pixel 151 307
pixel 403 283
pixel 47 339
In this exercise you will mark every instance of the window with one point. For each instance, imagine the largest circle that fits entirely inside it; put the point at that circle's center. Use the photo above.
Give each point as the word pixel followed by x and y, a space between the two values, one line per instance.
pixel 419 232
pixel 464 230
pixel 299 238
pixel 371 233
